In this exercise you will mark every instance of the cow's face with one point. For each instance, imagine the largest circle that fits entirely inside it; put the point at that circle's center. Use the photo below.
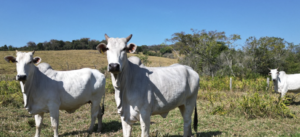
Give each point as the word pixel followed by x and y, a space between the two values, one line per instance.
pixel 116 50
pixel 274 74
pixel 25 64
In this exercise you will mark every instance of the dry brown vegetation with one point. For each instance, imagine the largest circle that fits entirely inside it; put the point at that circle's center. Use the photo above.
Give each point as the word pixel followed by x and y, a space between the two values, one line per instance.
pixel 72 59
pixel 220 112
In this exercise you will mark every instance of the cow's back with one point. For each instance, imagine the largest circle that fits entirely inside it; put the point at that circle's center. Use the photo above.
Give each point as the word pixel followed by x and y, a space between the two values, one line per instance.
pixel 293 82
pixel 77 87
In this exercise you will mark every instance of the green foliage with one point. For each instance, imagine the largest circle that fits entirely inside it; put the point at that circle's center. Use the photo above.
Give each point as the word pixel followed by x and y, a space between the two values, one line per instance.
pixel 238 84
pixel 109 88
pixel 166 49
pixel 144 59
pixel 10 94
pixel 219 110
pixel 83 43
pixel 255 106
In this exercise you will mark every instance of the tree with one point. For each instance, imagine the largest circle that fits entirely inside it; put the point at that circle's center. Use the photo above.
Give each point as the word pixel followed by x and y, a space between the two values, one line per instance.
pixel 201 49
pixel 165 49
pixel 4 48
pixel 31 45
pixel 10 48
pixel 40 46
pixel 265 52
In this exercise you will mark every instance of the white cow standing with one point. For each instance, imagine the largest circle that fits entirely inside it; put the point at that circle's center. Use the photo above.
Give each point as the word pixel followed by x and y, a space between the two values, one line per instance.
pixel 144 91
pixel 285 82
pixel 57 90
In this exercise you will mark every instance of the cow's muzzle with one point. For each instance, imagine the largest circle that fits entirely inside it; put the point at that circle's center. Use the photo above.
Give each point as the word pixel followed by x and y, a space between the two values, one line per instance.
pixel 21 77
pixel 114 68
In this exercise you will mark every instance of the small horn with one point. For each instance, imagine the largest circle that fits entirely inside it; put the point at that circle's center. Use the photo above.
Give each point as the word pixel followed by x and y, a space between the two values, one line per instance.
pixel 128 38
pixel 277 67
pixel 16 50
pixel 33 52
pixel 269 68
pixel 106 37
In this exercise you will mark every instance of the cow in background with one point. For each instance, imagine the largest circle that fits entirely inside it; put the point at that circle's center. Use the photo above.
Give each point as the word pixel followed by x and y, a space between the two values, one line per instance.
pixel 57 90
pixel 285 82
pixel 144 91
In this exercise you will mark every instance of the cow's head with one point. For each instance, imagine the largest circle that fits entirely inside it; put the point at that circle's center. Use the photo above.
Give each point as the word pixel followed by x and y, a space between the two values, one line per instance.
pixel 25 64
pixel 274 74
pixel 116 50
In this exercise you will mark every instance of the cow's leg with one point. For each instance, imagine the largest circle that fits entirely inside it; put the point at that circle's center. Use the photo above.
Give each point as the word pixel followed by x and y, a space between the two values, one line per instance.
pixel 38 122
pixel 186 112
pixel 126 128
pixel 94 113
pixel 145 123
pixel 54 116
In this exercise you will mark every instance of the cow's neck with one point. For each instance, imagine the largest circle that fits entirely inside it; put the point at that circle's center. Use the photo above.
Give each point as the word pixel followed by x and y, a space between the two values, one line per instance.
pixel 29 86
pixel 119 82
pixel 276 83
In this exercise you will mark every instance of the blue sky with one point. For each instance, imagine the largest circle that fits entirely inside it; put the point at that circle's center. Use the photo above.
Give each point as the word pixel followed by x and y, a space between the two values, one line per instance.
pixel 150 21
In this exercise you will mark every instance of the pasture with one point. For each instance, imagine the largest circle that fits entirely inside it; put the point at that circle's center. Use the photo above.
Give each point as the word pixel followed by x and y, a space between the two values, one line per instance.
pixel 248 110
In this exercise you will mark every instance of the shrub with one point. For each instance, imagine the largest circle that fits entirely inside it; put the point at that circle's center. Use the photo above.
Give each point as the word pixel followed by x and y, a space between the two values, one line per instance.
pixel 255 106
pixel 165 49
pixel 144 59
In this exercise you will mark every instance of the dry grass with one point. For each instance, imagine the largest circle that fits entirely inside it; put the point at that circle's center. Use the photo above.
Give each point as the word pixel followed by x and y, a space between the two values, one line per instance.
pixel 71 59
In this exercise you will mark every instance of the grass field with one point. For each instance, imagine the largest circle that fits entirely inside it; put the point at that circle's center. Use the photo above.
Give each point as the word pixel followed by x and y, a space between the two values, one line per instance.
pixel 248 110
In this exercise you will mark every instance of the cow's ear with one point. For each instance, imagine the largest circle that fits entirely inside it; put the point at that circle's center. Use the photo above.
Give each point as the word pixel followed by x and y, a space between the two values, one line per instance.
pixel 102 48
pixel 131 48
pixel 36 60
pixel 10 59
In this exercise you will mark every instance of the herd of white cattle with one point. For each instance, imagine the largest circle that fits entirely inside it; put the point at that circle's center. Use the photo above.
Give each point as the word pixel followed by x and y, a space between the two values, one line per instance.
pixel 140 91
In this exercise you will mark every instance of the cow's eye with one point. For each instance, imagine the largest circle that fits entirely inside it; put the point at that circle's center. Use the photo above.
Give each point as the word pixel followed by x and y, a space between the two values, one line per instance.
pixel 124 49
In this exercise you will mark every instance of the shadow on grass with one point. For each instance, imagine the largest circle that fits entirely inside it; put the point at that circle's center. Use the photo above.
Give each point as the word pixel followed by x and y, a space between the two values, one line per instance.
pixel 209 134
pixel 28 116
pixel 295 103
pixel 111 126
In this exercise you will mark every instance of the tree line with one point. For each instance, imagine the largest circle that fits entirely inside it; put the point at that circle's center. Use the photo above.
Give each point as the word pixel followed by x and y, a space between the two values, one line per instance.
pixel 213 53
pixel 85 43
pixel 210 53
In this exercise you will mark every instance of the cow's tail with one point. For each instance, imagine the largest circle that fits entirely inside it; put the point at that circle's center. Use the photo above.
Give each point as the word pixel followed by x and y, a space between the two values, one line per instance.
pixel 102 108
pixel 195 118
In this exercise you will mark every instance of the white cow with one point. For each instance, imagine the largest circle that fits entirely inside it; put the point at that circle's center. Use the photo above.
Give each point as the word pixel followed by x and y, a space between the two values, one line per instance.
pixel 144 91
pixel 45 90
pixel 285 82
